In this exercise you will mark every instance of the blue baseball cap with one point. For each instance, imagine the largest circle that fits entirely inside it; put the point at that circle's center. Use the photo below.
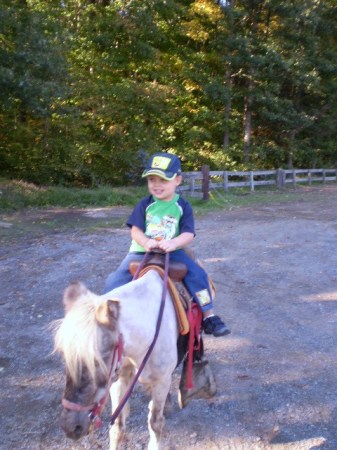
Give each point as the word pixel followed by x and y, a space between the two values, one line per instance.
pixel 164 165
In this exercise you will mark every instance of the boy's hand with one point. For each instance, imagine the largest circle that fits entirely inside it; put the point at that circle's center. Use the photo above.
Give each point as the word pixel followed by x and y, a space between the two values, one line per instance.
pixel 150 245
pixel 167 246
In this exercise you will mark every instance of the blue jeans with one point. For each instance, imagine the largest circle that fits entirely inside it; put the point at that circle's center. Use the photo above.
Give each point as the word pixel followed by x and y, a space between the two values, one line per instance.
pixel 196 279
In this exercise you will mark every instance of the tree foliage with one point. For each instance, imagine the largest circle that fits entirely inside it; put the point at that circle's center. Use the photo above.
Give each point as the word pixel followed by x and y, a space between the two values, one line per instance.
pixel 89 88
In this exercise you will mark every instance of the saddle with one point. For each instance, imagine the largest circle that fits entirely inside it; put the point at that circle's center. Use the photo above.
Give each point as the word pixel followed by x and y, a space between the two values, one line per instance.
pixel 180 296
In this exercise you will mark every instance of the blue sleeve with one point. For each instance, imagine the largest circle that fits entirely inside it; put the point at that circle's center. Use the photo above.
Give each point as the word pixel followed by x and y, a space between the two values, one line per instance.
pixel 137 217
pixel 187 218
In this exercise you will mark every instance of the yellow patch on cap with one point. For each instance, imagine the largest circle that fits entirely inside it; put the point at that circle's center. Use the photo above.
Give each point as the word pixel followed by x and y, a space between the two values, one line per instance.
pixel 160 162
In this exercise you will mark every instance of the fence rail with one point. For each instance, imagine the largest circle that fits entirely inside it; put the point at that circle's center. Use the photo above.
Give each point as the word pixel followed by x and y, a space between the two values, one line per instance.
pixel 196 183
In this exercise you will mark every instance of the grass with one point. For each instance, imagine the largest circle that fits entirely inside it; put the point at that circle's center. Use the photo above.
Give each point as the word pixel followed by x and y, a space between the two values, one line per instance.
pixel 17 197
pixel 20 195
pixel 236 198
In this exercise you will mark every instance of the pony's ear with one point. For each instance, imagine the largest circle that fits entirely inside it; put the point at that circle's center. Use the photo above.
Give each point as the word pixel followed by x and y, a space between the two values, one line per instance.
pixel 107 312
pixel 72 293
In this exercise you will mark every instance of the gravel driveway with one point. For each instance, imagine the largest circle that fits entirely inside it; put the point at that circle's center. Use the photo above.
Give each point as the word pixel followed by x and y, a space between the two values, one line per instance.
pixel 275 268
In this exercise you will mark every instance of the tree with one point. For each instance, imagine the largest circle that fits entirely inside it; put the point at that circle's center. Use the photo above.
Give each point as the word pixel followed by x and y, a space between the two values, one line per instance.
pixel 275 50
pixel 32 80
pixel 87 86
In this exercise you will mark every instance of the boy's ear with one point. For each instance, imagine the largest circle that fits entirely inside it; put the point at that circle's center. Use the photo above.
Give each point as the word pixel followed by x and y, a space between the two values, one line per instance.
pixel 178 179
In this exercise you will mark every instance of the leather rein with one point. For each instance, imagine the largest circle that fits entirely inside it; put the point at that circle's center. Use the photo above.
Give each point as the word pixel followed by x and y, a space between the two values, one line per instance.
pixel 94 410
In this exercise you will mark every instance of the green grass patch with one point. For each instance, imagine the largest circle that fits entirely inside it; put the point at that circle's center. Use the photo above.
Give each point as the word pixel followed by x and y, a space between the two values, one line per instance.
pixel 19 195
pixel 236 198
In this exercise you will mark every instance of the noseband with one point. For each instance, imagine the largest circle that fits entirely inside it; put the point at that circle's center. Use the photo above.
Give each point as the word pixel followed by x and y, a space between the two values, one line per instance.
pixel 95 409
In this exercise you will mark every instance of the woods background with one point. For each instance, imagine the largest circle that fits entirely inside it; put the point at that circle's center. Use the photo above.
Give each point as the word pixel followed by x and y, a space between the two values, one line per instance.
pixel 89 88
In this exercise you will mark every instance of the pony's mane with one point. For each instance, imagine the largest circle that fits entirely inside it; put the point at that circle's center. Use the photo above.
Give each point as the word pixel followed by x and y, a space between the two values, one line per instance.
pixel 78 338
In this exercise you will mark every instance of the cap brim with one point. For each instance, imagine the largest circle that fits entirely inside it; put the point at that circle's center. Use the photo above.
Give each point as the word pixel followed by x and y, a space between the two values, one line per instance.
pixel 160 174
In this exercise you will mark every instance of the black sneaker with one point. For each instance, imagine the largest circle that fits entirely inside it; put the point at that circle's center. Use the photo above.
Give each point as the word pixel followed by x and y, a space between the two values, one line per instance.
pixel 214 325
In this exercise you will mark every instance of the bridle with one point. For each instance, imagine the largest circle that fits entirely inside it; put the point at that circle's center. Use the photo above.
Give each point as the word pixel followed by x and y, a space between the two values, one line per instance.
pixel 94 410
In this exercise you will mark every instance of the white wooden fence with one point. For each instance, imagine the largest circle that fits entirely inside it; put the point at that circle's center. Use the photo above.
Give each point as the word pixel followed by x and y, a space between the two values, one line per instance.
pixel 196 183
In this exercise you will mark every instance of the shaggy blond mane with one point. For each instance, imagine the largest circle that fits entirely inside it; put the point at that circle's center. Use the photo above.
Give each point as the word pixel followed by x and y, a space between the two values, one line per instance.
pixel 78 337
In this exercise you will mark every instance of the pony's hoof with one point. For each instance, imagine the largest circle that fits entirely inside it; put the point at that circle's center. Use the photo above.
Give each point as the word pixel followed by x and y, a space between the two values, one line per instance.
pixel 203 381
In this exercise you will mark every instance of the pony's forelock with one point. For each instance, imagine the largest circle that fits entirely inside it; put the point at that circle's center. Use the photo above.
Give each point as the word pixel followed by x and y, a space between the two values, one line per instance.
pixel 78 337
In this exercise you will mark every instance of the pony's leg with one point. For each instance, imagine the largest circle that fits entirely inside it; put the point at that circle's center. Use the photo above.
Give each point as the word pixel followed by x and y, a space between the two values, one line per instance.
pixel 156 419
pixel 168 408
pixel 117 392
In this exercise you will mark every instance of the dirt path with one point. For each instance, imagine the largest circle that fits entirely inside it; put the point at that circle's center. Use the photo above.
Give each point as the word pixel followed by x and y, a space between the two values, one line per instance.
pixel 275 268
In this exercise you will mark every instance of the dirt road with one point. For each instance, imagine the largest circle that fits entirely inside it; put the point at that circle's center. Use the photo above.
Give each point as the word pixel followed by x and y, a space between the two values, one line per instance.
pixel 275 268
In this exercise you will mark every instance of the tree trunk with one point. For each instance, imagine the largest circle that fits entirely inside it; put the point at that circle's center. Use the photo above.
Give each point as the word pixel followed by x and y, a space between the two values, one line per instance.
pixel 227 107
pixel 228 5
pixel 248 122
pixel 290 162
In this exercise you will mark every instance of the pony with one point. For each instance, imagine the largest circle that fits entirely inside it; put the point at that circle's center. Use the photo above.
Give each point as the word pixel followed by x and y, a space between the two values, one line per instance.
pixel 89 339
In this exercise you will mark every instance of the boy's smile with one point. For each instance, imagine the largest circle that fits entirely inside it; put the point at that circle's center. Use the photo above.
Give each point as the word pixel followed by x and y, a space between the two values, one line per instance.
pixel 164 190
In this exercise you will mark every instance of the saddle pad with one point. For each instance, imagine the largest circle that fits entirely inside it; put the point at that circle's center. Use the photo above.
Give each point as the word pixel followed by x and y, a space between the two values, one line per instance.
pixel 184 326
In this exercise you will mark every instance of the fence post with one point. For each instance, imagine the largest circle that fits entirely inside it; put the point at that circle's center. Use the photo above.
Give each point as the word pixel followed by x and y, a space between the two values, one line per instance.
pixel 251 181
pixel 294 177
pixel 280 178
pixel 309 177
pixel 205 182
pixel 192 185
pixel 225 180
pixel 324 176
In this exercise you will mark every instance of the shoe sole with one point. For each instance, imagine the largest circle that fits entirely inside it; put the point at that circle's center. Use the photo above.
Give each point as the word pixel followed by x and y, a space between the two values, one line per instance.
pixel 222 333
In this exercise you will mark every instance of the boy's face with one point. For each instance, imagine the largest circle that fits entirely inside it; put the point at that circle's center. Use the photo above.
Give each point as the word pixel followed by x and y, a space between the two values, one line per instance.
pixel 163 189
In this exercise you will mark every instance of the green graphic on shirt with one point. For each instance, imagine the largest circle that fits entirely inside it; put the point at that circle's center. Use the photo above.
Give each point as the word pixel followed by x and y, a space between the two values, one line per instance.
pixel 161 221
pixel 161 227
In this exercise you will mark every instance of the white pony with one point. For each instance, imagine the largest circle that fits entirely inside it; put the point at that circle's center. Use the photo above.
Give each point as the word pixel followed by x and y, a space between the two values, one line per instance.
pixel 89 338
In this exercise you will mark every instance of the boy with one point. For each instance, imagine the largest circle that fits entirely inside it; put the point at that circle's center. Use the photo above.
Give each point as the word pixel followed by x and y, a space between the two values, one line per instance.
pixel 164 220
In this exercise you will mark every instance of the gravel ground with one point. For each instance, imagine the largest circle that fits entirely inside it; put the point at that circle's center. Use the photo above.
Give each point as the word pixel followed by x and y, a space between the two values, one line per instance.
pixel 275 268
